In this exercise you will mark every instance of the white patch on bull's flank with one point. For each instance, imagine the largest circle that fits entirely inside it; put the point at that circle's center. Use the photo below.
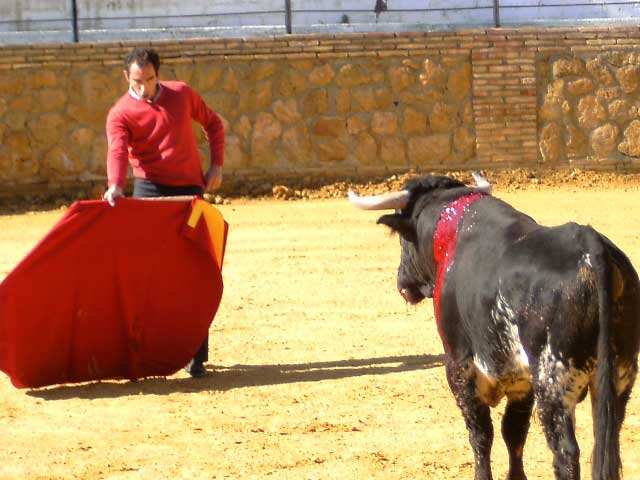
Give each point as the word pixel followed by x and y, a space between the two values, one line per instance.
pixel 512 376
pixel 507 329
pixel 560 380
pixel 586 259
pixel 559 385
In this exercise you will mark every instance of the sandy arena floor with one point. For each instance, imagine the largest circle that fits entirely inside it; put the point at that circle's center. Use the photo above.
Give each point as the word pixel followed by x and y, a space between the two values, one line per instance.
pixel 317 368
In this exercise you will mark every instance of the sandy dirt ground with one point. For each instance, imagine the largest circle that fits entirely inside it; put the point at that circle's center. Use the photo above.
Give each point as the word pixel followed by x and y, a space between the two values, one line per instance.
pixel 317 368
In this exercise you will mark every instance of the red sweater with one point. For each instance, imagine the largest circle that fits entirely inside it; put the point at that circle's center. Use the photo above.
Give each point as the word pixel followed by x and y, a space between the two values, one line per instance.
pixel 157 138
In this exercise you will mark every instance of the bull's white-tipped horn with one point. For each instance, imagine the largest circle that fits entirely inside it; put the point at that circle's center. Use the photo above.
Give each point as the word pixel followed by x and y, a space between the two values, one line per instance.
pixel 384 201
pixel 481 183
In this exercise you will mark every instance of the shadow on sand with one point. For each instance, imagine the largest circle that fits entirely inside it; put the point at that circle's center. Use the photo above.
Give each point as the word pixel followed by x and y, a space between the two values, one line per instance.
pixel 221 378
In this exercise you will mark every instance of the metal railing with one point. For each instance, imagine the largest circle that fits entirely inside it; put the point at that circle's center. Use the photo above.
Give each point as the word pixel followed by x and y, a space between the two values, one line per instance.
pixel 258 17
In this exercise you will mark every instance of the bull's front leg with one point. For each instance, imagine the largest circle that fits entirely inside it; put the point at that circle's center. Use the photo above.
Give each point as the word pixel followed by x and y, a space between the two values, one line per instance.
pixel 476 414
pixel 515 427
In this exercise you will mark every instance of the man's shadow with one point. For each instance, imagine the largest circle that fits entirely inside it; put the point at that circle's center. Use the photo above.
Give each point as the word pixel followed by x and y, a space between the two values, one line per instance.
pixel 222 378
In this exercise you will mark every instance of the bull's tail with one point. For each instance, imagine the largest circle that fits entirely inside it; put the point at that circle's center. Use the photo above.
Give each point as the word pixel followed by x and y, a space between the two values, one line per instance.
pixel 606 451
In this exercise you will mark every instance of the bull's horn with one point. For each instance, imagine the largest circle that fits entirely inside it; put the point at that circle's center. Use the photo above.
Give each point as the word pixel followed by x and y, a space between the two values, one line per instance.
pixel 384 201
pixel 482 184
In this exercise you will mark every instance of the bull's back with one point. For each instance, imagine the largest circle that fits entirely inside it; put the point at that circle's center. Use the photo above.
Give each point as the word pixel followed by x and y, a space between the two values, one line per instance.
pixel 533 288
pixel 550 278
pixel 521 292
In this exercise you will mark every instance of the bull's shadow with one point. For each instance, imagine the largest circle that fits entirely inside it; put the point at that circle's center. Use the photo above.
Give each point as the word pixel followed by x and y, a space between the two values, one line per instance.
pixel 222 378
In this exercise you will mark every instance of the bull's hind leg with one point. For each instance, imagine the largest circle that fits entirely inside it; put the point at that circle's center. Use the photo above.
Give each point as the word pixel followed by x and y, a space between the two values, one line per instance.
pixel 515 427
pixel 477 416
pixel 556 413
pixel 559 431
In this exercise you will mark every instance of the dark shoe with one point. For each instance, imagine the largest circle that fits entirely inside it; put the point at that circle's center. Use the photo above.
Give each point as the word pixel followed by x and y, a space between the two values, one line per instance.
pixel 195 369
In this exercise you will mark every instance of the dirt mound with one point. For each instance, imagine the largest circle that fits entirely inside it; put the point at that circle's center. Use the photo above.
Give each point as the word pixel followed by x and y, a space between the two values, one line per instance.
pixel 506 180
pixel 321 186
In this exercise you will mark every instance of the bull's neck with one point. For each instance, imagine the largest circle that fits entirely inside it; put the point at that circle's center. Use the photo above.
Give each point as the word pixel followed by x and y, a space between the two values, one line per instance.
pixel 445 239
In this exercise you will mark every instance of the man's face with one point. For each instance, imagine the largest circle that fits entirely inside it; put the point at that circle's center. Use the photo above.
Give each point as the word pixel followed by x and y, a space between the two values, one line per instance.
pixel 143 80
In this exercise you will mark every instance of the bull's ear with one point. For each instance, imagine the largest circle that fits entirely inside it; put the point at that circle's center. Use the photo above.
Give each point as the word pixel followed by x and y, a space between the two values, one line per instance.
pixel 398 223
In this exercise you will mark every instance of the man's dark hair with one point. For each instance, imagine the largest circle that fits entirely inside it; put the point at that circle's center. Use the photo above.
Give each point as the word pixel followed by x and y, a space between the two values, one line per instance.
pixel 142 56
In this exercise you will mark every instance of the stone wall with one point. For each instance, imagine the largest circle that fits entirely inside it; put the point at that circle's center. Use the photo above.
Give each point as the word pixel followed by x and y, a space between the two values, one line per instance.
pixel 590 108
pixel 342 105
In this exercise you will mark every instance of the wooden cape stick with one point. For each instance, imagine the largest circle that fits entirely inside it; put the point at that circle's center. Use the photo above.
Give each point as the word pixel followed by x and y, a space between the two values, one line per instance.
pixel 177 198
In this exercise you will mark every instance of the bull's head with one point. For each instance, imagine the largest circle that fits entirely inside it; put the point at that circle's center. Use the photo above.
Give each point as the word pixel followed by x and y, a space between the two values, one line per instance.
pixel 417 210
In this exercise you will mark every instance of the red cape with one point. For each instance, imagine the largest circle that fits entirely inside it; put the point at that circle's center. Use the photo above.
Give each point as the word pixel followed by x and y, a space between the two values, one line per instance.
pixel 113 292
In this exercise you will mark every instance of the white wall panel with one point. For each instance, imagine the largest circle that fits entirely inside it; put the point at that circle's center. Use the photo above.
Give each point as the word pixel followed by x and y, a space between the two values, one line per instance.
pixel 23 21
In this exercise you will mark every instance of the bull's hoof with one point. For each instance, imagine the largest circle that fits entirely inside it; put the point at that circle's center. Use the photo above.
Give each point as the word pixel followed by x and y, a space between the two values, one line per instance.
pixel 195 369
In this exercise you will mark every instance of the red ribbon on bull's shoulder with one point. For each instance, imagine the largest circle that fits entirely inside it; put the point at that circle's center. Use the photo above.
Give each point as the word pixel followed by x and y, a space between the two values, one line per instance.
pixel 445 240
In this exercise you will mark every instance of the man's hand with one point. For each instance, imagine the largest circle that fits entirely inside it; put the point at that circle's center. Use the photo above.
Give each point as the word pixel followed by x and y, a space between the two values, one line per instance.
pixel 113 192
pixel 213 178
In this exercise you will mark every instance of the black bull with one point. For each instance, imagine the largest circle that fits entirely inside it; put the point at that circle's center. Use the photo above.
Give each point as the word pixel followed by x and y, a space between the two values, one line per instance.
pixel 538 314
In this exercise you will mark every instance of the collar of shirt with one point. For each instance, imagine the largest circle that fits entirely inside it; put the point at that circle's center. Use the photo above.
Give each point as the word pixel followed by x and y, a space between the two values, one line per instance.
pixel 138 97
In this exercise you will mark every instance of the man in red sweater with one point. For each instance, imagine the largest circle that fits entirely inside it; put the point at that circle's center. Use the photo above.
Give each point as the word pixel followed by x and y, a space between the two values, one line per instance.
pixel 150 128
